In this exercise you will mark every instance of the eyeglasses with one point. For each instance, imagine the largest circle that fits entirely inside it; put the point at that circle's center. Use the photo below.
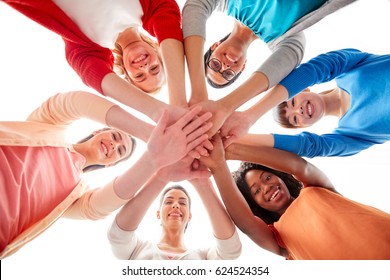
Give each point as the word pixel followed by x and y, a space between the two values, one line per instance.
pixel 216 65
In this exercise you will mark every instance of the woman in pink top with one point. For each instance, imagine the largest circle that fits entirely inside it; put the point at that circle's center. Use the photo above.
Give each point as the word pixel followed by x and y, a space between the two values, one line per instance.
pixel 298 216
pixel 93 30
pixel 40 177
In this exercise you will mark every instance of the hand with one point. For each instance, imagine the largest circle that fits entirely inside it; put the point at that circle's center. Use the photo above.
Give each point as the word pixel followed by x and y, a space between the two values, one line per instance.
pixel 235 126
pixel 183 170
pixel 216 156
pixel 220 114
pixel 167 145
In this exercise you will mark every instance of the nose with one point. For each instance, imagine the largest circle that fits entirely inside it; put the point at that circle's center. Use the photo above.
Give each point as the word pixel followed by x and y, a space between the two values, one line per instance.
pixel 175 205
pixel 143 64
pixel 226 65
pixel 113 145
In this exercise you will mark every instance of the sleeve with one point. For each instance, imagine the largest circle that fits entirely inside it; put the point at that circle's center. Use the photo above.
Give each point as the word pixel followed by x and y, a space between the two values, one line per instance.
pixel 228 249
pixel 123 243
pixel 91 62
pixel 65 108
pixel 195 16
pixel 311 145
pixel 285 56
pixel 162 19
pixel 96 204
pixel 322 68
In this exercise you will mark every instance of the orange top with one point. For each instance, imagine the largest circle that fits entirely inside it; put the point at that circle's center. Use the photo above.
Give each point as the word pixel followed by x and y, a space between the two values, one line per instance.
pixel 321 224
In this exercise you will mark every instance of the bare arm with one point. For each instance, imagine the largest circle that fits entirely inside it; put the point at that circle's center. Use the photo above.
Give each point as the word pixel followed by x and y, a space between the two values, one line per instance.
pixel 281 160
pixel 173 56
pixel 235 203
pixel 221 222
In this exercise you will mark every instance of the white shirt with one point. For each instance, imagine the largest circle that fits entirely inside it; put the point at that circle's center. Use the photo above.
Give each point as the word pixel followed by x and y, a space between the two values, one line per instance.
pixel 102 20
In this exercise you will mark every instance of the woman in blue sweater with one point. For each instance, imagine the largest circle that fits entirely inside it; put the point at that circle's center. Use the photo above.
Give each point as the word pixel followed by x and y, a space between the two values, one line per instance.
pixel 360 101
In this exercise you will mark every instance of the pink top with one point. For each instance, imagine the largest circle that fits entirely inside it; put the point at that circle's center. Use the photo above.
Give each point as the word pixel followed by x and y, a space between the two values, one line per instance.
pixel 25 188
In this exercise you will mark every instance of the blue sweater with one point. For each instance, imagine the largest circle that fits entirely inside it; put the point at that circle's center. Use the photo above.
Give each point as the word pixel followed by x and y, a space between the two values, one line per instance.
pixel 366 78
pixel 269 19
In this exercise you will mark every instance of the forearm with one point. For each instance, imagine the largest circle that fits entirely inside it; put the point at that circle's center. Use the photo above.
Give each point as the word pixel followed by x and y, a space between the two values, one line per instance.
pixel 255 85
pixel 115 87
pixel 121 119
pixel 131 215
pixel 194 55
pixel 127 184
pixel 222 225
pixel 271 99
pixel 173 56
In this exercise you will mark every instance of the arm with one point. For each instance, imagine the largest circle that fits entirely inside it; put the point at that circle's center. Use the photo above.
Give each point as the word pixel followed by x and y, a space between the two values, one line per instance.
pixel 195 15
pixel 65 108
pixel 222 225
pixel 254 227
pixel 286 162
pixel 166 145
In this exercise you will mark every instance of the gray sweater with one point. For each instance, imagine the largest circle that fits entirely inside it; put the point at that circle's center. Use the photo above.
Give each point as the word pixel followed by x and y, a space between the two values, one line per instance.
pixel 287 50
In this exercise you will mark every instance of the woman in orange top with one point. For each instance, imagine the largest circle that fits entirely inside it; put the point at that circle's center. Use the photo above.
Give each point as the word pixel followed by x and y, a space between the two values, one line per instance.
pixel 298 216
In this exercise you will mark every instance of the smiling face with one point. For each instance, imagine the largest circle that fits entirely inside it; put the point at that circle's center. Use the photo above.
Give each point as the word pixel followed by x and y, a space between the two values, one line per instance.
pixel 109 146
pixel 305 109
pixel 174 210
pixel 143 66
pixel 268 190
pixel 225 62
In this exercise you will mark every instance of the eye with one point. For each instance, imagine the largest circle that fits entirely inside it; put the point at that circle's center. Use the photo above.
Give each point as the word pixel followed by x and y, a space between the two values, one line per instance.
pixel 293 102
pixel 215 64
pixel 139 76
pixel 155 69
pixel 295 120
pixel 114 137
pixel 228 74
pixel 257 191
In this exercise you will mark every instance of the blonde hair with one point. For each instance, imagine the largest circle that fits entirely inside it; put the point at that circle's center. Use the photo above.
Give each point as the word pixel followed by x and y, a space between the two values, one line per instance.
pixel 119 66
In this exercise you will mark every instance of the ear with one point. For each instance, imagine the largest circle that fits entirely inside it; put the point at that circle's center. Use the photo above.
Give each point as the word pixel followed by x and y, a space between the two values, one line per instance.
pixel 215 45
pixel 243 66
pixel 189 217
pixel 158 214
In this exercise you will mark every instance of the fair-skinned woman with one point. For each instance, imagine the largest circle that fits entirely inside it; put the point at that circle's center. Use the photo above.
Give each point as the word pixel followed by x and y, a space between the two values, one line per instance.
pixel 174 214
pixel 91 36
pixel 41 172
pixel 290 207
pixel 226 59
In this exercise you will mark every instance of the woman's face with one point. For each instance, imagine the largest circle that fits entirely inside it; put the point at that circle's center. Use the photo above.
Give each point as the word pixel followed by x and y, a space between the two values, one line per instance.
pixel 109 146
pixel 143 66
pixel 305 109
pixel 174 211
pixel 268 190
pixel 225 62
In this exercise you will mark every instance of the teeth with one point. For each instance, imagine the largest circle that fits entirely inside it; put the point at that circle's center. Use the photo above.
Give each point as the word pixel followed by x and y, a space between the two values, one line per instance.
pixel 274 194
pixel 142 57
pixel 230 59
pixel 104 149
pixel 309 109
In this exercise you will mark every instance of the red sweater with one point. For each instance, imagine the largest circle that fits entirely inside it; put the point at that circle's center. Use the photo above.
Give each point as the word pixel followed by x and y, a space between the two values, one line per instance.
pixel 91 61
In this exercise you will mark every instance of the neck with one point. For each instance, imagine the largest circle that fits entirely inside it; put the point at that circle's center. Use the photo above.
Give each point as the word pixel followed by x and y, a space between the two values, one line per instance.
pixel 337 102
pixel 243 34
pixel 172 241
pixel 81 149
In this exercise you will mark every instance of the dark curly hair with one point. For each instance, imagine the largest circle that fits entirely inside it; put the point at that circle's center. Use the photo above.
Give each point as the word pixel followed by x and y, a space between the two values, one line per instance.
pixel 294 186
pixel 206 59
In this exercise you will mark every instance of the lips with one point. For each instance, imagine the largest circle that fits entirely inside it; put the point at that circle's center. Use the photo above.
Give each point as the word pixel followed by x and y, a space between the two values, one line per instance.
pixel 276 192
pixel 104 148
pixel 309 109
pixel 140 58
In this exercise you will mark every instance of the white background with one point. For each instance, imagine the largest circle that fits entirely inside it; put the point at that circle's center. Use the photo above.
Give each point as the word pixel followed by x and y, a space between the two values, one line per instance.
pixel 33 67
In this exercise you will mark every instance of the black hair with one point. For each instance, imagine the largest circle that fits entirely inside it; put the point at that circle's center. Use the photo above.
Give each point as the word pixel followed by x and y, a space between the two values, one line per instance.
pixel 294 186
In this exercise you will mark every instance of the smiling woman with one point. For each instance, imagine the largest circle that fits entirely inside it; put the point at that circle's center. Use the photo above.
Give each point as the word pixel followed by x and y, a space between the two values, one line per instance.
pixel 33 67
pixel 35 192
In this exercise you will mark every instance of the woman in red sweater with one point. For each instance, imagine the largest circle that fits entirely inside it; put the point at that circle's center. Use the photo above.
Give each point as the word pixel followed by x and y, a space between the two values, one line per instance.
pixel 93 29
